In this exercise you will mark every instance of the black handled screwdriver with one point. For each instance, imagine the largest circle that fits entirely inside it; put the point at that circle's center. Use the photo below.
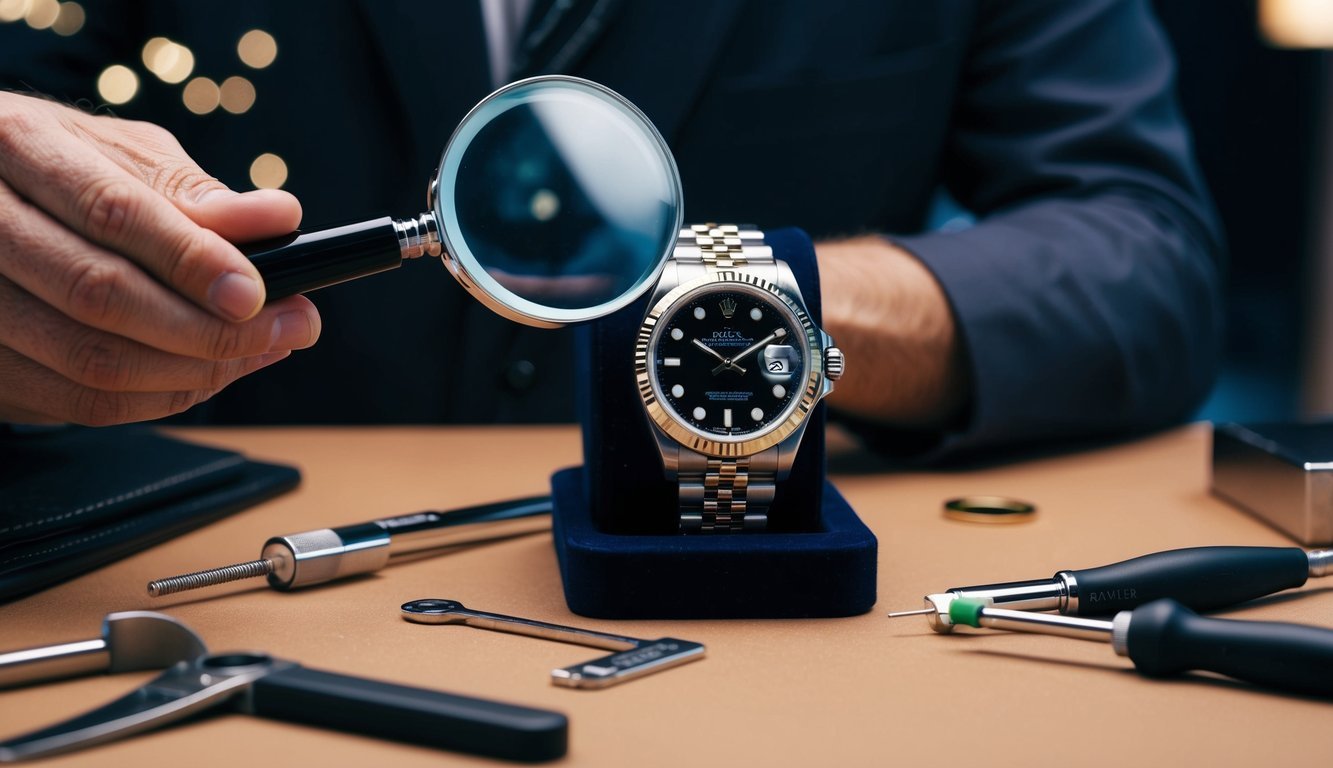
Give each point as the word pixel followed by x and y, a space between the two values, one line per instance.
pixel 1199 577
pixel 1164 638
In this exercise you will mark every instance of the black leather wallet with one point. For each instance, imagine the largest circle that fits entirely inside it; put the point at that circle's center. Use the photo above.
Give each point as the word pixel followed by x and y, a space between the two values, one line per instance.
pixel 74 499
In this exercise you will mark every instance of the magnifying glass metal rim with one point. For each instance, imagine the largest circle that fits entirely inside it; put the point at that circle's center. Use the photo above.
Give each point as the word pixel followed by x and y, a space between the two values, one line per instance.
pixel 468 271
pixel 305 261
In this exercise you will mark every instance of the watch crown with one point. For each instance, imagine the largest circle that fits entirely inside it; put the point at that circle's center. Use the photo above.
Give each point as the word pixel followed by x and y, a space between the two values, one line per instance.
pixel 833 363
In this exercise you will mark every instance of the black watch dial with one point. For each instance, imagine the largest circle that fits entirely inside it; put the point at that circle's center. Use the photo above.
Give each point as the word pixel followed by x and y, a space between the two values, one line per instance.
pixel 729 362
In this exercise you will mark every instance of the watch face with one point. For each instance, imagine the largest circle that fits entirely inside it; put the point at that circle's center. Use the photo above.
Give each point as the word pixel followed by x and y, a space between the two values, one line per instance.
pixel 730 363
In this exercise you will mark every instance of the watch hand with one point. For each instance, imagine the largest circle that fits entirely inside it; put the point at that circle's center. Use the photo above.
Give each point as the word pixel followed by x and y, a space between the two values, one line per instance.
pixel 708 349
pixel 725 362
pixel 774 336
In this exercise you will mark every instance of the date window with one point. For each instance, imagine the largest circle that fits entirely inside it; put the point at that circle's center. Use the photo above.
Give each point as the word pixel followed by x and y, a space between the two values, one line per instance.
pixel 780 361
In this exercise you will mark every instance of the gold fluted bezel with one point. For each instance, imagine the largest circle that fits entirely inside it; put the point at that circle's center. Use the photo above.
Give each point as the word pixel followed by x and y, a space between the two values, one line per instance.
pixel 711 445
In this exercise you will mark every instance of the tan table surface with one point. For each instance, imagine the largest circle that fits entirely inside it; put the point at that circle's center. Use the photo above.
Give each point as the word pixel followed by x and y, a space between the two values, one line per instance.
pixel 856 691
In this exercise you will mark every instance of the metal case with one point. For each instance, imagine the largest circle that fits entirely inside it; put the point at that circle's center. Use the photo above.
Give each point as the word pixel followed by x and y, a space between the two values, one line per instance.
pixel 1281 473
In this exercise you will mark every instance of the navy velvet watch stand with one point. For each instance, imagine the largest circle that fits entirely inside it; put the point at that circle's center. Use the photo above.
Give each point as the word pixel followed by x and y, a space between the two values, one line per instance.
pixel 616 520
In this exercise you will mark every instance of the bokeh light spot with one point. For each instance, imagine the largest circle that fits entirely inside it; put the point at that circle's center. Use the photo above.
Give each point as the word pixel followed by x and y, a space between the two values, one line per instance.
pixel 268 171
pixel 257 49
pixel 238 95
pixel 117 84
pixel 201 96
pixel 70 20
pixel 170 61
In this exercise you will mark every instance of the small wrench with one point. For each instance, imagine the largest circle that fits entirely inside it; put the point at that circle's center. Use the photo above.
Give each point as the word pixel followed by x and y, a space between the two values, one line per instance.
pixel 636 657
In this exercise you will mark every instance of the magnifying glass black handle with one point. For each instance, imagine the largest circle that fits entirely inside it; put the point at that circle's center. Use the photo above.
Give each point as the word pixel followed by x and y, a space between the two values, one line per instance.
pixel 304 261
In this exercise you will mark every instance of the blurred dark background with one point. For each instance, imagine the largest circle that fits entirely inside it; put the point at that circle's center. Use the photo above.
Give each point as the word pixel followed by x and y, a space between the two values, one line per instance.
pixel 1257 113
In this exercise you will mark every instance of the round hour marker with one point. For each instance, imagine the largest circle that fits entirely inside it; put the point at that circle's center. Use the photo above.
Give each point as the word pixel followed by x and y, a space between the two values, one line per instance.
pixel 756 314
pixel 677 334
pixel 779 391
pixel 699 313
pixel 699 414
pixel 757 414
pixel 677 391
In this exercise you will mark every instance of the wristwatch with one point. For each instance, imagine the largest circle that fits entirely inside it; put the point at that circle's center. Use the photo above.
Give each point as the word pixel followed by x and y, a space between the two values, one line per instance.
pixel 729 367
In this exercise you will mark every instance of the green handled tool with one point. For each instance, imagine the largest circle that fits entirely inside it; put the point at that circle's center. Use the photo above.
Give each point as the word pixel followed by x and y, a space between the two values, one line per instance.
pixel 1164 638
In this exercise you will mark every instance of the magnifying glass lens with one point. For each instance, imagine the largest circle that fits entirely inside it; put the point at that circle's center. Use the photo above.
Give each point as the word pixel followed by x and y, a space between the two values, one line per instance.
pixel 558 198
pixel 556 202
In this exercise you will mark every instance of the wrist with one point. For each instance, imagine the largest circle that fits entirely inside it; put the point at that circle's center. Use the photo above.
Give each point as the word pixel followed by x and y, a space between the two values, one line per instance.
pixel 887 311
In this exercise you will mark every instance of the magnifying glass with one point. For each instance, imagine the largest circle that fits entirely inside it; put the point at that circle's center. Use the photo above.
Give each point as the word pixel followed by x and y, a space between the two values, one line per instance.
pixel 556 201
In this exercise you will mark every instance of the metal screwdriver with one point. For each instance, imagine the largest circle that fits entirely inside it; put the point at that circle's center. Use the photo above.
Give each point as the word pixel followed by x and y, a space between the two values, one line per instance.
pixel 1199 577
pixel 315 557
pixel 1164 638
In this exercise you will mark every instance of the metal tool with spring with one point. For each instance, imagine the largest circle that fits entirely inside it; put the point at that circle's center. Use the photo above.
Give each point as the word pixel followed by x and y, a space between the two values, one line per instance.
pixel 314 557
pixel 635 657
pixel 1199 577
pixel 258 684
pixel 1164 638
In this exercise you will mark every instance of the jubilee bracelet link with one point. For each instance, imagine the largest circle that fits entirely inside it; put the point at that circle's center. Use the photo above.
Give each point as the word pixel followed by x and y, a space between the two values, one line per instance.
pixel 728 495
pixel 724 495
pixel 722 247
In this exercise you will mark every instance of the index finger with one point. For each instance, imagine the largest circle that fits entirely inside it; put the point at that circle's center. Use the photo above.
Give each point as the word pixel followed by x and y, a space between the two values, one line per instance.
pixel 95 197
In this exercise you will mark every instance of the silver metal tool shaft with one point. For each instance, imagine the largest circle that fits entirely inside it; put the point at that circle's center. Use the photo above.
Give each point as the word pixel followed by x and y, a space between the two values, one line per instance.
pixel 130 641
pixel 437 611
pixel 917 612
pixel 1037 595
pixel 1098 630
pixel 315 557
pixel 1164 638
pixel 1321 562
pixel 636 657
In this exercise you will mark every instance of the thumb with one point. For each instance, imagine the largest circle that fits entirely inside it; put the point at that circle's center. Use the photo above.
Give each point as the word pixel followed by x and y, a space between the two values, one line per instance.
pixel 243 217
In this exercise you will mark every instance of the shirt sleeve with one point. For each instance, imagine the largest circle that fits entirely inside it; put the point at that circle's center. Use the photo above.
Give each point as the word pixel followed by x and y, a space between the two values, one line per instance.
pixel 1087 295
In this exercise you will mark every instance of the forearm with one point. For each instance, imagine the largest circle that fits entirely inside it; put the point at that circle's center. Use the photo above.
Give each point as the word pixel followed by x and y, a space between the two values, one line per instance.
pixel 1085 300
pixel 886 311
pixel 1078 318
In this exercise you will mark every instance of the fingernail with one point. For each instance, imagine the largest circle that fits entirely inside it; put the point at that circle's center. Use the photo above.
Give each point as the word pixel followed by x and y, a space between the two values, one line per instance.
pixel 270 358
pixel 291 331
pixel 235 295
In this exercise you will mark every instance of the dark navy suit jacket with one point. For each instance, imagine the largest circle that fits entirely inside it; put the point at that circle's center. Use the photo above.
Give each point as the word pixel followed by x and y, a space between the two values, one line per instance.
pixel 1086 295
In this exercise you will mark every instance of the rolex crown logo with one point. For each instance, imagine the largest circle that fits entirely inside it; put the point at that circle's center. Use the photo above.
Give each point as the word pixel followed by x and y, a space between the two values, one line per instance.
pixel 728 307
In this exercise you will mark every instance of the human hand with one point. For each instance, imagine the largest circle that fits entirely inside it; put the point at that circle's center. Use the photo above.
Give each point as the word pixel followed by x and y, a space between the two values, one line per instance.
pixel 121 298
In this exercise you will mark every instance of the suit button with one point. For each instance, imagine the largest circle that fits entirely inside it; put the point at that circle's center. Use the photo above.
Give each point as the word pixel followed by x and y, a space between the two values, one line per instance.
pixel 521 375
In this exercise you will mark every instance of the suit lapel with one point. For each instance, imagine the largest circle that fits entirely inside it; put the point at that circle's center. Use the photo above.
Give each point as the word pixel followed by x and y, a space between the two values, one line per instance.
pixel 659 55
pixel 435 56
pixel 559 33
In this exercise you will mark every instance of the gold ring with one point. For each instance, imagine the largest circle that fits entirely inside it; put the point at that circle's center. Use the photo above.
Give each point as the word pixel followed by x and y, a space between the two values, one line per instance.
pixel 989 509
